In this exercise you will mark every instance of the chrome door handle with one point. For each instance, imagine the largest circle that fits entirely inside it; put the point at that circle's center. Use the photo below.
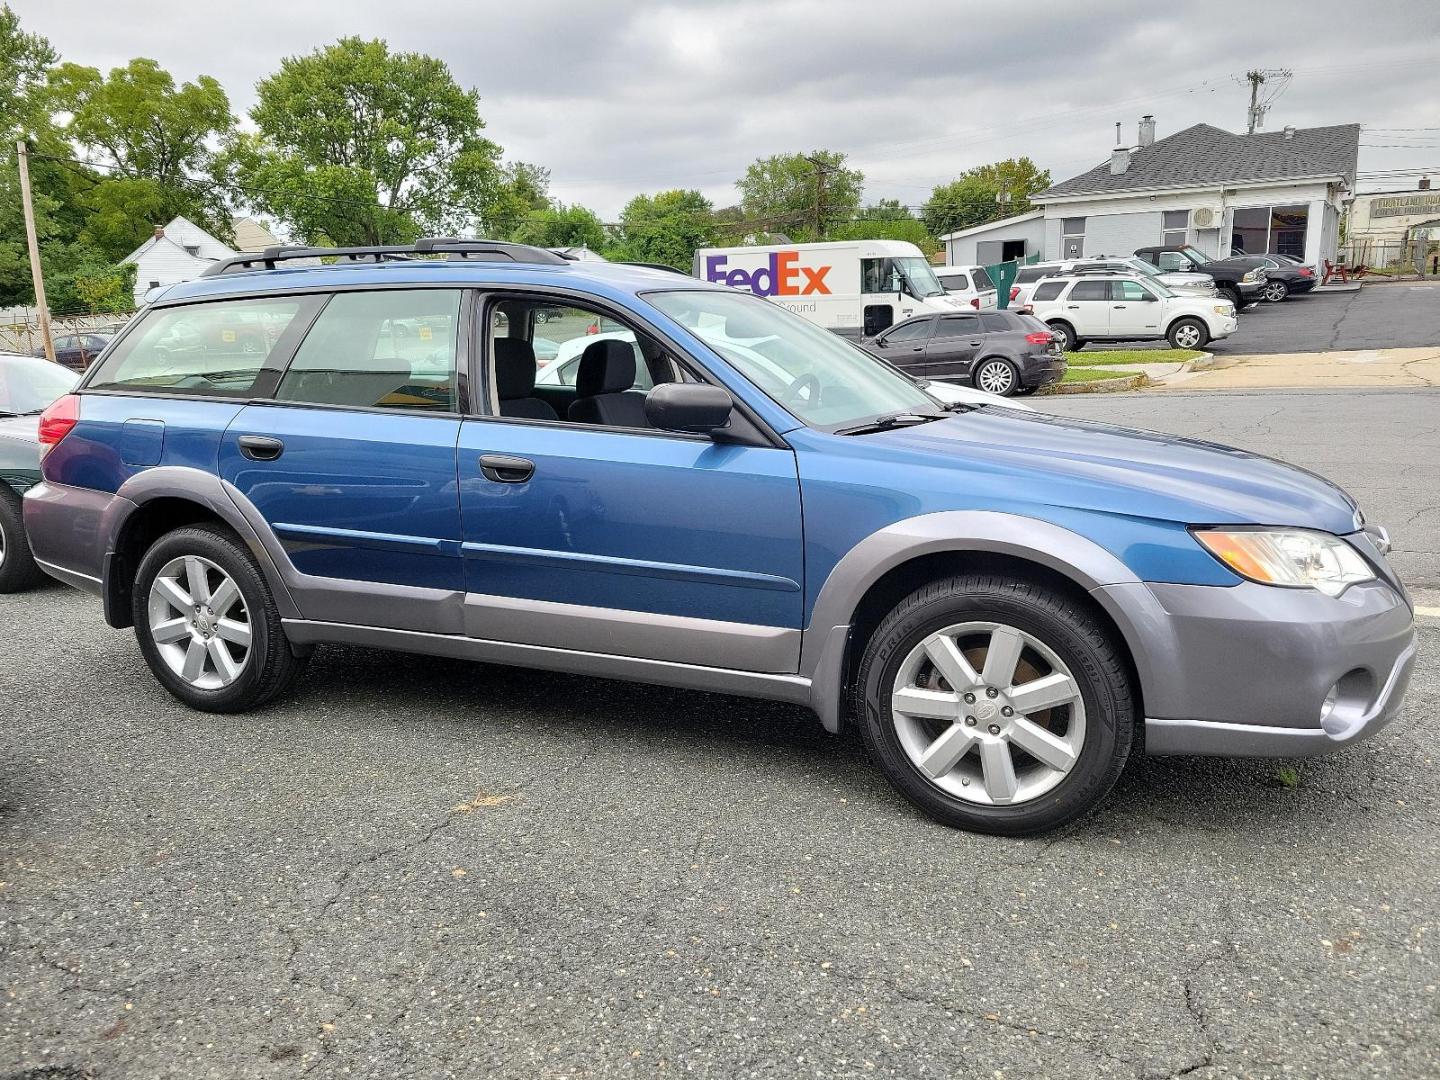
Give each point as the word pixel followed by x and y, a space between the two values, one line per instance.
pixel 504 469
pixel 1117 307
pixel 260 447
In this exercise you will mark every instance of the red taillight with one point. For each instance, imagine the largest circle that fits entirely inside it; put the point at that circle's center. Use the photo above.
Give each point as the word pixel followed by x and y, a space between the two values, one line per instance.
pixel 1014 291
pixel 57 420
pixel 1305 271
pixel 593 328
pixel 1039 337
pixel 975 303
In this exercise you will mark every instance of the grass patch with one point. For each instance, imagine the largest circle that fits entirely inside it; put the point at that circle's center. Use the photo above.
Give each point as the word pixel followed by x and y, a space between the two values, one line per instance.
pixel 1101 357
pixel 1074 375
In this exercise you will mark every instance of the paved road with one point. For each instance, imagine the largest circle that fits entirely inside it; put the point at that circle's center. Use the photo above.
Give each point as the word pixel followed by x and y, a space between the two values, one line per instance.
pixel 1376 317
pixel 421 868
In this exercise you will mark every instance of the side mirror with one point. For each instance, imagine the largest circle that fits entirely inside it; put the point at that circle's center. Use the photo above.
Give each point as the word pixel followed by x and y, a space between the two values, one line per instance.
pixel 692 407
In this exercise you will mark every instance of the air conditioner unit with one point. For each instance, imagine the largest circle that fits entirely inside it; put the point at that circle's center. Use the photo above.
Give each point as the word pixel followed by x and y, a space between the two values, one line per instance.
pixel 1205 217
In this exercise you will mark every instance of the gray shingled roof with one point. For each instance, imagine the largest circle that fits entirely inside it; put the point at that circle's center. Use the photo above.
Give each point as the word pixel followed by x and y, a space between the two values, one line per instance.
pixel 1207 155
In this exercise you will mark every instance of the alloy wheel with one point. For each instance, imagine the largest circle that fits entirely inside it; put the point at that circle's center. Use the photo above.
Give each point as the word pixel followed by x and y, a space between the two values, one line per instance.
pixel 199 622
pixel 1187 336
pixel 2 546
pixel 1276 291
pixel 995 377
pixel 988 713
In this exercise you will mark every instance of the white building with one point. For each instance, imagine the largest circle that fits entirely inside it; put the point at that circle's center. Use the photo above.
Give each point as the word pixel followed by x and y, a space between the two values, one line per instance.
pixel 1279 192
pixel 179 251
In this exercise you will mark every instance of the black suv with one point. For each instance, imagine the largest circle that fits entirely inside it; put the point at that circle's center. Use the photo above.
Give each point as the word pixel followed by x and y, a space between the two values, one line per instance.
pixel 1002 352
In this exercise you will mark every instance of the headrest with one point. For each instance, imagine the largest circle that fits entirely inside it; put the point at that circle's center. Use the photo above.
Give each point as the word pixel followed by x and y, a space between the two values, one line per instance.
pixel 514 368
pixel 606 367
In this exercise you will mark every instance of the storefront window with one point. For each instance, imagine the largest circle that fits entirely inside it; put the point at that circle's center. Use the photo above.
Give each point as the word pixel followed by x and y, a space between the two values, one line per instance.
pixel 1270 230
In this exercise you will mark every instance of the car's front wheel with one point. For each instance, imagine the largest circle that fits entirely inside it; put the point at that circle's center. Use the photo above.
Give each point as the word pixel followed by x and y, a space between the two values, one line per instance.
pixel 996 376
pixel 1233 295
pixel 207 623
pixel 996 704
pixel 1188 334
pixel 17 566
pixel 1275 291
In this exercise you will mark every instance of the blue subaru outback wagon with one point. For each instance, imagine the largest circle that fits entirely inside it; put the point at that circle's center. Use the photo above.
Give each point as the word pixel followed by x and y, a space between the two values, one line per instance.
pixel 719 496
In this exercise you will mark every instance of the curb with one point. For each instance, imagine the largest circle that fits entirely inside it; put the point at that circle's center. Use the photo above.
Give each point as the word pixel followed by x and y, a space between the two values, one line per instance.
pixel 1199 363
pixel 1099 386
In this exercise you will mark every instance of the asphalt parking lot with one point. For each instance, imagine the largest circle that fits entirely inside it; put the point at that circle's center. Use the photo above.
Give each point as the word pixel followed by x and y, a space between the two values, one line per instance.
pixel 1378 316
pixel 423 868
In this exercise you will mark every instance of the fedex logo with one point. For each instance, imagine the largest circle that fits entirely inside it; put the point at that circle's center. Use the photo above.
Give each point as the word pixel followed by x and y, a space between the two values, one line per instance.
pixel 782 275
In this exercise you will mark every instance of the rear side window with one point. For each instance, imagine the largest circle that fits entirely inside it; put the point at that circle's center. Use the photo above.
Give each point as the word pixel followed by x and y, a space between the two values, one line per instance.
pixel 1048 290
pixel 1090 290
pixel 218 349
pixel 982 279
pixel 388 350
pixel 955 282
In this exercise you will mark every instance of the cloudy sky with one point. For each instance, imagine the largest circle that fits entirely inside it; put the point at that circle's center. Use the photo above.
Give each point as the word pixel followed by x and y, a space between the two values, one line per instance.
pixel 621 98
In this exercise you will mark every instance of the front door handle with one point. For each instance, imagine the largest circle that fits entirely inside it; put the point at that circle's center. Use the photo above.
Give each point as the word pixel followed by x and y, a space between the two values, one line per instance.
pixel 1117 307
pixel 504 469
pixel 261 447
pixel 977 343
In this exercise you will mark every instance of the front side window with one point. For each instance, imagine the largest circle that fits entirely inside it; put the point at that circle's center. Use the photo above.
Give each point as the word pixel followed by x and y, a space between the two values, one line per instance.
pixel 1090 290
pixel 387 350
pixel 1172 260
pixel 902 274
pixel 820 378
pixel 216 349
pixel 1129 292
pixel 560 335
pixel 914 330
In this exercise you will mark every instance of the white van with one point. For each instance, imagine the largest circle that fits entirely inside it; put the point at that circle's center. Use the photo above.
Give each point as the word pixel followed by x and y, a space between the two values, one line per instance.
pixel 970 285
pixel 855 288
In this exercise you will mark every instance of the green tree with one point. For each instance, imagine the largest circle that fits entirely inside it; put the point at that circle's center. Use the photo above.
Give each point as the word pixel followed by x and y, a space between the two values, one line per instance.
pixel 521 190
pixel 666 228
pixel 25 60
pixel 365 146
pixel 781 193
pixel 887 220
pixel 563 226
pixel 973 198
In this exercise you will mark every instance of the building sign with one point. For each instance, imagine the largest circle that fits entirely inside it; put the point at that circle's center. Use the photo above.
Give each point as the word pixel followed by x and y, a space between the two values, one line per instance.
pixel 1421 203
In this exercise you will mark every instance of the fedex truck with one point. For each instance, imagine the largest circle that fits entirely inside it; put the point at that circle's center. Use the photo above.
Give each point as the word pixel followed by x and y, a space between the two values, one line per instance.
pixel 856 287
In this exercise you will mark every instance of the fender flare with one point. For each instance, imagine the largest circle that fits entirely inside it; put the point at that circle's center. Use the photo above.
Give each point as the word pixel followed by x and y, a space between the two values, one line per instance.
pixel 1113 585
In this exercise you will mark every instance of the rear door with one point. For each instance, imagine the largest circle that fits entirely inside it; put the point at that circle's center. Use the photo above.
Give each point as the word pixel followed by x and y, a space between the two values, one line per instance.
pixel 1088 307
pixel 952 348
pixel 352 464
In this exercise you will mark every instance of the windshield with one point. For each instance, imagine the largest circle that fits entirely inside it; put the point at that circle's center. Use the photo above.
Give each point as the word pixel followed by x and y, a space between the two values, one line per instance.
pixel 818 377
pixel 28 385
pixel 1140 266
pixel 1196 255
pixel 921 279
pixel 904 273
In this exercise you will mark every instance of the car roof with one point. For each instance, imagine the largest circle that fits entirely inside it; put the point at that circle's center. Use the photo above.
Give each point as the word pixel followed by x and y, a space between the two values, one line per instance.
pixel 612 280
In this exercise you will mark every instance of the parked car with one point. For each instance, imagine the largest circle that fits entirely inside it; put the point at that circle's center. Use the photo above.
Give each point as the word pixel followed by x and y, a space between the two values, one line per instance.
pixel 1000 352
pixel 1102 307
pixel 1182 282
pixel 27 386
pixel 1006 604
pixel 970 284
pixel 1285 276
pixel 76 351
pixel 1239 280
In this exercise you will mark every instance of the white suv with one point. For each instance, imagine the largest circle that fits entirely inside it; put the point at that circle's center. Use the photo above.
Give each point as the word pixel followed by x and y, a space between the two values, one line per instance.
pixel 1093 307
pixel 970 285
pixel 1185 283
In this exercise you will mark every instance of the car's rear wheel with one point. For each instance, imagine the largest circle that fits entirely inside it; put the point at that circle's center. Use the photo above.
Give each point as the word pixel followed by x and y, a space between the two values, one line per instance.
pixel 996 376
pixel 1065 336
pixel 995 704
pixel 1275 291
pixel 1188 334
pixel 207 623
pixel 17 566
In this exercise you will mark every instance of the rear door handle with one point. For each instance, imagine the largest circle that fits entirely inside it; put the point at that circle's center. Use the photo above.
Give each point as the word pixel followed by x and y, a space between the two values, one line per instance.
pixel 504 469
pixel 261 447
pixel 977 343
pixel 1117 307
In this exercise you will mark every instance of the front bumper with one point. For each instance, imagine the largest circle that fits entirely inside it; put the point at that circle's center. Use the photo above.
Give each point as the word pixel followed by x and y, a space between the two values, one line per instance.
pixel 1223 326
pixel 1250 290
pixel 1258 671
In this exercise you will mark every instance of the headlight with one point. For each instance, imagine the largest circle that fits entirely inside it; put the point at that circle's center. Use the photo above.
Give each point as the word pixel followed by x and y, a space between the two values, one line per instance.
pixel 1291 558
pixel 1225 309
pixel 1251 277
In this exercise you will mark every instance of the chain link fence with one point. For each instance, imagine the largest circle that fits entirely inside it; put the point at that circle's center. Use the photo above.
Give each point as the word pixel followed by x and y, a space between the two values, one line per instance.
pixel 1392 256
pixel 20 327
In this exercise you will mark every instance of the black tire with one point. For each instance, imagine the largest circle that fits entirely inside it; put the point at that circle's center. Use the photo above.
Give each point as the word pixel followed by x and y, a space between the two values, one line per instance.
pixel 1065 335
pixel 1275 291
pixel 1180 330
pixel 1096 662
pixel 271 666
pixel 17 566
pixel 1232 294
pixel 1026 391
pixel 1003 374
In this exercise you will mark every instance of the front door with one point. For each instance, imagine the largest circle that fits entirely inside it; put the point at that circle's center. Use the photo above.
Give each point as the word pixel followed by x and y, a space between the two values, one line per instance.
pixel 953 347
pixel 1134 310
pixel 905 346
pixel 630 541
pixel 352 465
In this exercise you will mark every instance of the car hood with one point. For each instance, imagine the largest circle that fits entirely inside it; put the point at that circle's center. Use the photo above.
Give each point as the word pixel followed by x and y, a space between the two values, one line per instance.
pixel 1185 277
pixel 1094 466
pixel 25 429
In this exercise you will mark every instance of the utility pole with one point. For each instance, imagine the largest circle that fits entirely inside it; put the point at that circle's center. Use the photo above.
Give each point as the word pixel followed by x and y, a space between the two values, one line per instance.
pixel 22 154
pixel 1257 77
pixel 821 169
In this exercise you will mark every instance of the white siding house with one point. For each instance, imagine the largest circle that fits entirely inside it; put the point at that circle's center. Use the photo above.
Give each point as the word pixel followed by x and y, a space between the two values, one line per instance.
pixel 1016 237
pixel 180 251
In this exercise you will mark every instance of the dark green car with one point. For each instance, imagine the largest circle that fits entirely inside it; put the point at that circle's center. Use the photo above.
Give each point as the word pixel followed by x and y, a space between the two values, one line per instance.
pixel 27 385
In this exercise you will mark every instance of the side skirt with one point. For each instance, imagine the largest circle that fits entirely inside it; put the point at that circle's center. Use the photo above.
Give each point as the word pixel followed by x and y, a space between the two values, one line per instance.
pixel 791 688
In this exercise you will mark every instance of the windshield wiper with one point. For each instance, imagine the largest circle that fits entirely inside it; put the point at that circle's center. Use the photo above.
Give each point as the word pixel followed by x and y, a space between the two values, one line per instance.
pixel 890 420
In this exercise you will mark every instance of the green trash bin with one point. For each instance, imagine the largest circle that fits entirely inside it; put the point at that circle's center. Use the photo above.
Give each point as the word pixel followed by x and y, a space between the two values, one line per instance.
pixel 1003 275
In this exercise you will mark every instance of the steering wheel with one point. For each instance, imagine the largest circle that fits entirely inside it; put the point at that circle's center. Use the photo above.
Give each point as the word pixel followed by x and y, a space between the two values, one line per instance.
pixel 791 394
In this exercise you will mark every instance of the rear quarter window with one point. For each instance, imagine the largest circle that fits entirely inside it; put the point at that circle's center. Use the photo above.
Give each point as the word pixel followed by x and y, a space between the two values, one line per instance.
pixel 220 349
pixel 1049 290
pixel 996 324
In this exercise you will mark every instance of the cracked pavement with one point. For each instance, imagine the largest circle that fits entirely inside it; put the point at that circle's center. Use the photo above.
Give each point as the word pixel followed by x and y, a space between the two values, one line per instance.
pixel 425 868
